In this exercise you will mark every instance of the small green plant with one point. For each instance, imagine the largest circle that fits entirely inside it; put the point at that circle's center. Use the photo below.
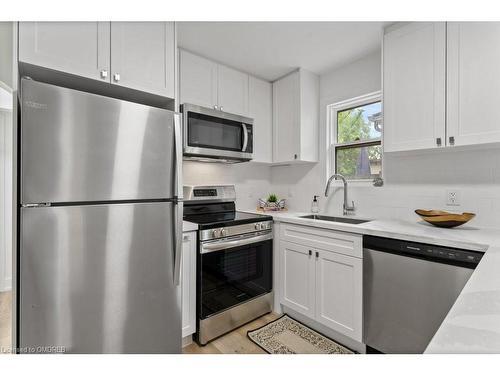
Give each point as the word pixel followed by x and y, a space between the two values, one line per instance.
pixel 272 198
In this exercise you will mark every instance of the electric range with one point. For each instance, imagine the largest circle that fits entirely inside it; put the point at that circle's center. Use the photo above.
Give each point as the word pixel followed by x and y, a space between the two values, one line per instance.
pixel 234 261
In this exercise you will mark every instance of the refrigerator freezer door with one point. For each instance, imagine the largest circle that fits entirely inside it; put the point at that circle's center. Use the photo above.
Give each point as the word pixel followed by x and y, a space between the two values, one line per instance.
pixel 99 279
pixel 78 146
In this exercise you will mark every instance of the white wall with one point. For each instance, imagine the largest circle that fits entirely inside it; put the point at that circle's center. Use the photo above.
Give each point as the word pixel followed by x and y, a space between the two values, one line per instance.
pixel 5 199
pixel 419 180
pixel 6 53
pixel 252 181
pixel 7 86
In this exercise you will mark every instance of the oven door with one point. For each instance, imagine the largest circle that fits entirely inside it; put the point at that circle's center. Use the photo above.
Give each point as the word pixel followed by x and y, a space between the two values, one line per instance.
pixel 234 270
pixel 215 134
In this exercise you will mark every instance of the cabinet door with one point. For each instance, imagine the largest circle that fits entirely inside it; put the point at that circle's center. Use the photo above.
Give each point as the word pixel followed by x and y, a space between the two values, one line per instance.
pixel 143 56
pixel 232 91
pixel 198 80
pixel 260 103
pixel 188 284
pixel 414 87
pixel 339 298
pixel 286 114
pixel 297 276
pixel 473 82
pixel 80 48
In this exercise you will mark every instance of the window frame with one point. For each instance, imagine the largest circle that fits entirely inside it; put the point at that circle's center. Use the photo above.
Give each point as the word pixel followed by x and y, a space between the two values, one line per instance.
pixel 332 128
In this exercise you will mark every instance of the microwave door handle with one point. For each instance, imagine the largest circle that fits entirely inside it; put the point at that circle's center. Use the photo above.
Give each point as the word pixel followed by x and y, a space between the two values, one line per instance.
pixel 245 137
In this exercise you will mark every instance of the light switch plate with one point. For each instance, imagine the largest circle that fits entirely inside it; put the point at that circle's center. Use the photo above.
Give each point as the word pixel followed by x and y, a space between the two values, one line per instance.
pixel 452 198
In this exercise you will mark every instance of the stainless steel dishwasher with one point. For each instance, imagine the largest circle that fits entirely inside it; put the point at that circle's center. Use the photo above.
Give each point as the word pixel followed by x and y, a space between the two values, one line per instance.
pixel 408 289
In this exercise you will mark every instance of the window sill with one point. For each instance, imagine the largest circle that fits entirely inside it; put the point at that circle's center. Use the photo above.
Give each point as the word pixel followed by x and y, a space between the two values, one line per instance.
pixel 359 183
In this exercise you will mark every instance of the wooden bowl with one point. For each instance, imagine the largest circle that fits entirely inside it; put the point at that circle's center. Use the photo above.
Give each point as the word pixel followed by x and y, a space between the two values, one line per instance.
pixel 444 219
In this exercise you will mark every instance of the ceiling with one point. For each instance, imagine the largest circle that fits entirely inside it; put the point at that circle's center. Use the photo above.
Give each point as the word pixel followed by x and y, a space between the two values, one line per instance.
pixel 270 50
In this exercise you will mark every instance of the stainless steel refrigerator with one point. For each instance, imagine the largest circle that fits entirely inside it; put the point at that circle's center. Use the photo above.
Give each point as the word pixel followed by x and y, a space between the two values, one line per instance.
pixel 100 224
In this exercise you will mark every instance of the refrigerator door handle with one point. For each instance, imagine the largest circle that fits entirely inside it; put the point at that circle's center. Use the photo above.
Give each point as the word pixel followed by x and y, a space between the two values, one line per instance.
pixel 178 156
pixel 178 195
pixel 177 241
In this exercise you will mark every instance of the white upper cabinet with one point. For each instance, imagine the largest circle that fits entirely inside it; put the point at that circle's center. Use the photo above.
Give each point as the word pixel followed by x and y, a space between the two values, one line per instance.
pixel 138 55
pixel 286 126
pixel 208 84
pixel 80 48
pixel 441 85
pixel 473 83
pixel 143 56
pixel 260 108
pixel 295 118
pixel 232 91
pixel 414 60
pixel 198 80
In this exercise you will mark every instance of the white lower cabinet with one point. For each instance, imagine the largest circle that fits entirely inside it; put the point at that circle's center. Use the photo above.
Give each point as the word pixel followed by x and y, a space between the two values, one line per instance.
pixel 188 283
pixel 339 293
pixel 320 282
pixel 298 292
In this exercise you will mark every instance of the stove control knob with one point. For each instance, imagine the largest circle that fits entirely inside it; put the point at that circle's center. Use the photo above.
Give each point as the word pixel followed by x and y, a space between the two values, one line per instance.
pixel 215 233
pixel 223 232
pixel 257 226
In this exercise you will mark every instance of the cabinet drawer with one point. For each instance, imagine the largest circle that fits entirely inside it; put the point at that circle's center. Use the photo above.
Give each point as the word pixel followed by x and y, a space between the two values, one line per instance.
pixel 325 239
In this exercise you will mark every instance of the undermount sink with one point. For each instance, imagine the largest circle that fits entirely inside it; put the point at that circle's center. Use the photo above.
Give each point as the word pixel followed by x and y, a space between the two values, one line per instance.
pixel 335 219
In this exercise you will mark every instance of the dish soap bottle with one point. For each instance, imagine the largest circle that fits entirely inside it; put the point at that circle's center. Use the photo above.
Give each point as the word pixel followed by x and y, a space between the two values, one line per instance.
pixel 314 205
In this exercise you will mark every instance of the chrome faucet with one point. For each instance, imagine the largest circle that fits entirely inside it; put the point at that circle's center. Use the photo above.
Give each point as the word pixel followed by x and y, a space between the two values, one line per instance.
pixel 347 209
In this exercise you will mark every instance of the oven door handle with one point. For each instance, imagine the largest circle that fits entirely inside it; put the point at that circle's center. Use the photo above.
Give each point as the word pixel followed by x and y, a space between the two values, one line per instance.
pixel 245 137
pixel 227 244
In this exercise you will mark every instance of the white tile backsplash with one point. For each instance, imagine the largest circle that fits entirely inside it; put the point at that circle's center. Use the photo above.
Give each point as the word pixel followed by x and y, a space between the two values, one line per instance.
pixel 251 180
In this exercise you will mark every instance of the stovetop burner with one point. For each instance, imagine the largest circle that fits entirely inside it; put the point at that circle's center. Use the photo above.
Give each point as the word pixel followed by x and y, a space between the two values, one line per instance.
pixel 218 215
pixel 213 207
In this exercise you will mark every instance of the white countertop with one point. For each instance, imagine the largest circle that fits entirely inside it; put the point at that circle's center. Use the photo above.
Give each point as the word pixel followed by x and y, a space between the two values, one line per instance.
pixel 187 226
pixel 473 323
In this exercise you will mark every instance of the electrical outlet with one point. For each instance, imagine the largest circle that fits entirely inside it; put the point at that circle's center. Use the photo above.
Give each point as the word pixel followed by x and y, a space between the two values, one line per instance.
pixel 452 198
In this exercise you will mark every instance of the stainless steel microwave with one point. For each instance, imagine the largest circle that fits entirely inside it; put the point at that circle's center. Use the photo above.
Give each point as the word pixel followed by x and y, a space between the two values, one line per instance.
pixel 213 135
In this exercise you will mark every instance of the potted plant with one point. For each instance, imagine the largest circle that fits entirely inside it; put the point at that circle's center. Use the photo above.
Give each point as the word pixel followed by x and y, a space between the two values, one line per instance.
pixel 272 200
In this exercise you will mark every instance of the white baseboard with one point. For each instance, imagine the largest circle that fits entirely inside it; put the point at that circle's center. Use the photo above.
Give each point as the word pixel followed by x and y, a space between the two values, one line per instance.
pixel 187 340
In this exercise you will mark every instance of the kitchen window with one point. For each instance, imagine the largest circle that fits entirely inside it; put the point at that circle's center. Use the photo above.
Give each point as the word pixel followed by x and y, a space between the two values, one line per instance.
pixel 355 137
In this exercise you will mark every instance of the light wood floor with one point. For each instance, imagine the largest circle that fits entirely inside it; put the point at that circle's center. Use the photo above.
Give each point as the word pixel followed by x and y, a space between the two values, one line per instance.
pixel 234 342
pixel 5 320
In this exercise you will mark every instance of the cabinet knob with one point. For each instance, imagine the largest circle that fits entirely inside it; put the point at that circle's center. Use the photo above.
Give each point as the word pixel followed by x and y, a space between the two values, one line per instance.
pixel 104 74
pixel 438 142
pixel 310 252
pixel 221 108
pixel 185 238
pixel 452 141
pixel 215 107
pixel 317 254
pixel 116 77
pixel 295 156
